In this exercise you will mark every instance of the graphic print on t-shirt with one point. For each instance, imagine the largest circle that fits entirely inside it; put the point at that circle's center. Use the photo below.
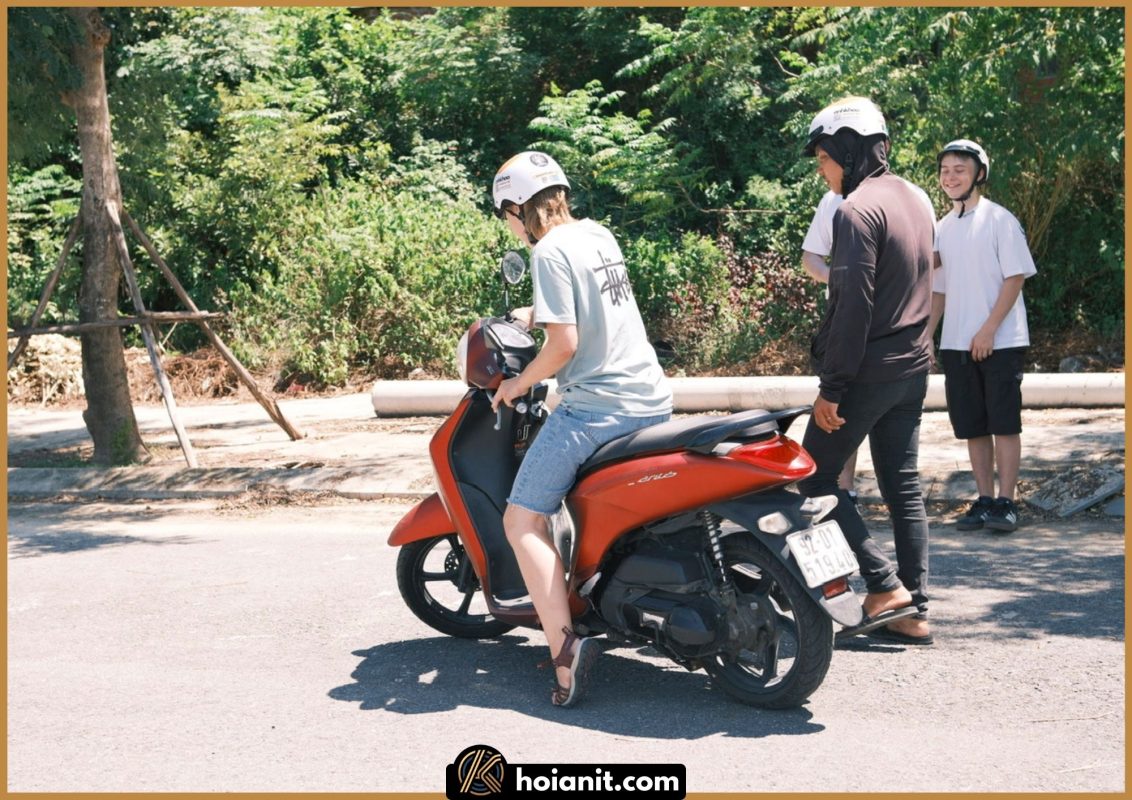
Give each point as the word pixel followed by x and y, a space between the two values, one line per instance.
pixel 616 280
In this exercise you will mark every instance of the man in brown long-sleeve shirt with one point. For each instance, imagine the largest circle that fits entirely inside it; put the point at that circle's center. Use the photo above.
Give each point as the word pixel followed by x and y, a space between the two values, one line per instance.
pixel 874 352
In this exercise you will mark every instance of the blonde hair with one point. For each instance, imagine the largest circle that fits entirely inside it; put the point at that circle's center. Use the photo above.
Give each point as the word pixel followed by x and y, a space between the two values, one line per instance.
pixel 546 209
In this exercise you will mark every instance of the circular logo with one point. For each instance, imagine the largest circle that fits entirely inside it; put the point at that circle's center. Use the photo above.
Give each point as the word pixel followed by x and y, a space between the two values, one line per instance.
pixel 539 160
pixel 479 770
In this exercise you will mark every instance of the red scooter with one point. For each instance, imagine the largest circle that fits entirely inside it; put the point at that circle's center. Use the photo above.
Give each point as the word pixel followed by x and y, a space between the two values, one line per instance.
pixel 681 536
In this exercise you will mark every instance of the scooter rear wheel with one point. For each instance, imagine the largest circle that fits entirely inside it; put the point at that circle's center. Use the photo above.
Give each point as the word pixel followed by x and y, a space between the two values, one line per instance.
pixel 790 663
pixel 439 586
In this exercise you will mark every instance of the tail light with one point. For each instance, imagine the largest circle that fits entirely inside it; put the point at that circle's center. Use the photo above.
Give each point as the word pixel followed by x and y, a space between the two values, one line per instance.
pixel 835 587
pixel 776 454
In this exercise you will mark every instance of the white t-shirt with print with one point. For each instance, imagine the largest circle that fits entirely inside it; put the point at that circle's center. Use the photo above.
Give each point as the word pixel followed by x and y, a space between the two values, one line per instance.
pixel 580 278
pixel 978 252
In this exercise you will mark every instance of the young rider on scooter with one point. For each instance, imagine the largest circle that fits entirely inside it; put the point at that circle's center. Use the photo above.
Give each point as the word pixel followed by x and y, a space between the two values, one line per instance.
pixel 607 373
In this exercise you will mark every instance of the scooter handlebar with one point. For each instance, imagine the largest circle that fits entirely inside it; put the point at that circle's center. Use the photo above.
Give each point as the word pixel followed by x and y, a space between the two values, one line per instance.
pixel 498 410
pixel 537 409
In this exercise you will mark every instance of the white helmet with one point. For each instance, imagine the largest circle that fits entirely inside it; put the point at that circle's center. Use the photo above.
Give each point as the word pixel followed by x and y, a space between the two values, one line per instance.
pixel 856 113
pixel 523 176
pixel 970 148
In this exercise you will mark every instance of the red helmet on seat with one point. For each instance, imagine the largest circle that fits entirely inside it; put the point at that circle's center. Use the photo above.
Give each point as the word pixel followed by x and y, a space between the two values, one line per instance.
pixel 489 347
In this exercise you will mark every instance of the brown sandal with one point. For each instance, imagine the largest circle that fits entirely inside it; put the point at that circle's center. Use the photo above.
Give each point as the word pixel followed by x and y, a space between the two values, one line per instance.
pixel 577 655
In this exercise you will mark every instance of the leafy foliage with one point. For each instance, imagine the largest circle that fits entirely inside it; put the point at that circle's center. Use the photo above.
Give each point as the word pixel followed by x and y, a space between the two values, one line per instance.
pixel 623 166
pixel 40 206
pixel 39 72
pixel 322 173
pixel 353 285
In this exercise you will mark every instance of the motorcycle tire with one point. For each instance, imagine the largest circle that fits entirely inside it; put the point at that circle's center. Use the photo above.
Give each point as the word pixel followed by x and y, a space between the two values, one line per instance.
pixel 802 639
pixel 446 607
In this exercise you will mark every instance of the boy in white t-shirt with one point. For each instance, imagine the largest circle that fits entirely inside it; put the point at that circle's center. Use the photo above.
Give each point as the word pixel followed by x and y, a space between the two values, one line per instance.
pixel 984 261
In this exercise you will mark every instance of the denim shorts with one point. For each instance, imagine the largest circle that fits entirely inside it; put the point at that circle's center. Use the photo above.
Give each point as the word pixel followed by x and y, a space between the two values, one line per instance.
pixel 568 438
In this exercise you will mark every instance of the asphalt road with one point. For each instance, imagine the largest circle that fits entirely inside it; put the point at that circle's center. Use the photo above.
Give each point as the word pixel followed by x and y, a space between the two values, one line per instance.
pixel 219 646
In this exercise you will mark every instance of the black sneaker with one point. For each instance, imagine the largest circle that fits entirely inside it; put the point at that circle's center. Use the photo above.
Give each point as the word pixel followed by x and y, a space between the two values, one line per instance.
pixel 976 515
pixel 1003 516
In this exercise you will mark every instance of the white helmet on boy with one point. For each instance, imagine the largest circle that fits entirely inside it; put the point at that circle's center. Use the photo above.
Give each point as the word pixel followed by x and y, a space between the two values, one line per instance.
pixel 523 176
pixel 970 148
pixel 859 114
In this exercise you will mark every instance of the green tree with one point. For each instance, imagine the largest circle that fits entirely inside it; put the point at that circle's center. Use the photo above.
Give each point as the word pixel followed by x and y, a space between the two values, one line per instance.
pixel 1041 88
pixel 81 35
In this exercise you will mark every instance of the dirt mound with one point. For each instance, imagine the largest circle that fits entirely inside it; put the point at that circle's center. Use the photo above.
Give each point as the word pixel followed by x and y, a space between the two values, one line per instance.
pixel 50 370
pixel 50 373
pixel 202 374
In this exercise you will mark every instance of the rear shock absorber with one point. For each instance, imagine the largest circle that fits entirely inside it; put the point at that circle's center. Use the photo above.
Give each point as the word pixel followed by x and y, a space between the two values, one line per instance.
pixel 715 541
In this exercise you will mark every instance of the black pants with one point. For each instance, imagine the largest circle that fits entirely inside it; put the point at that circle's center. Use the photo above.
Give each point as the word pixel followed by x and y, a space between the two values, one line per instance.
pixel 889 415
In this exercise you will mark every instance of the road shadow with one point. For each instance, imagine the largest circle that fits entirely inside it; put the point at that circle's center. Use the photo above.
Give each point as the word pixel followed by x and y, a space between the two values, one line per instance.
pixel 435 675
pixel 1049 578
pixel 1048 584
pixel 36 529
pixel 19 440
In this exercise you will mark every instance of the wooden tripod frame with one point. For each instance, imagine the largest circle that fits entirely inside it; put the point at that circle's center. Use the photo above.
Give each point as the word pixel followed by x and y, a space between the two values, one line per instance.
pixel 147 321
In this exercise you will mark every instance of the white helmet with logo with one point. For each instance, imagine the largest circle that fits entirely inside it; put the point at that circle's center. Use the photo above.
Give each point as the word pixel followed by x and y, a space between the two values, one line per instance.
pixel 523 176
pixel 970 148
pixel 856 113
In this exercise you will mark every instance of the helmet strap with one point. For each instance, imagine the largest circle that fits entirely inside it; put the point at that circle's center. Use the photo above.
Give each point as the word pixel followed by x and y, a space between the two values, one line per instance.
pixel 962 201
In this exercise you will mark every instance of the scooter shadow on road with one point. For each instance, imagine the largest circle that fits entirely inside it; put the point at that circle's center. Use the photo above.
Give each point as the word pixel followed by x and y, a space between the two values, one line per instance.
pixel 434 675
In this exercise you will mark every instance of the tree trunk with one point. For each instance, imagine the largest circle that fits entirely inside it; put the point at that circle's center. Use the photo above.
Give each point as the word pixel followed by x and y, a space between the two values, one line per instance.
pixel 109 414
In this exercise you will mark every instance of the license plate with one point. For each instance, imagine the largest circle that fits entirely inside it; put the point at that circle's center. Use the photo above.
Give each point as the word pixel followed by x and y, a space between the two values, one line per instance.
pixel 822 553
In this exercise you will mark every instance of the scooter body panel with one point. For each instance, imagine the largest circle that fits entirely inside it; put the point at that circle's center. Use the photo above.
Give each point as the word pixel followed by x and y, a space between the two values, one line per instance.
pixel 426 520
pixel 621 497
pixel 475 466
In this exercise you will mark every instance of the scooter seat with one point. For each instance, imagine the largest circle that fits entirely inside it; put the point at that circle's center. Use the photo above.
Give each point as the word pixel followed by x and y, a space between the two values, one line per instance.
pixel 701 434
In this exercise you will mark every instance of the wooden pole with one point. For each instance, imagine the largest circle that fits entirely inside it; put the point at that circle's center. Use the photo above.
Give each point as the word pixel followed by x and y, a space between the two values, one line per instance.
pixel 72 234
pixel 148 330
pixel 119 322
pixel 269 405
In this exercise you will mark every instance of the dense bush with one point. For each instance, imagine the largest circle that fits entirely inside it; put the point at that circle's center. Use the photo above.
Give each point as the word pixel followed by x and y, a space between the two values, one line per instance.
pixel 370 277
pixel 322 174
pixel 40 204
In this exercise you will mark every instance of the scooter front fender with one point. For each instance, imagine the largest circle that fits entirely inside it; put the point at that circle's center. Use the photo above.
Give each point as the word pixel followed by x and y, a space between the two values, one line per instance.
pixel 428 519
pixel 745 512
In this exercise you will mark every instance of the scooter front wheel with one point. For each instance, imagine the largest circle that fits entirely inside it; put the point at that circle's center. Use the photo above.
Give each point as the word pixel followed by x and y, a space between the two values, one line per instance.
pixel 788 661
pixel 440 587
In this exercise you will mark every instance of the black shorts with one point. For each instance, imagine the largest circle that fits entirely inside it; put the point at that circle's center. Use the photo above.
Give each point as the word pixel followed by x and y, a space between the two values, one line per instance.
pixel 984 398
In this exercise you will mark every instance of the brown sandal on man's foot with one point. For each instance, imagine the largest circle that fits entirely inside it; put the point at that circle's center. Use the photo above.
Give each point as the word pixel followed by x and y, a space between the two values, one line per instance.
pixel 577 655
pixel 869 624
pixel 888 635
